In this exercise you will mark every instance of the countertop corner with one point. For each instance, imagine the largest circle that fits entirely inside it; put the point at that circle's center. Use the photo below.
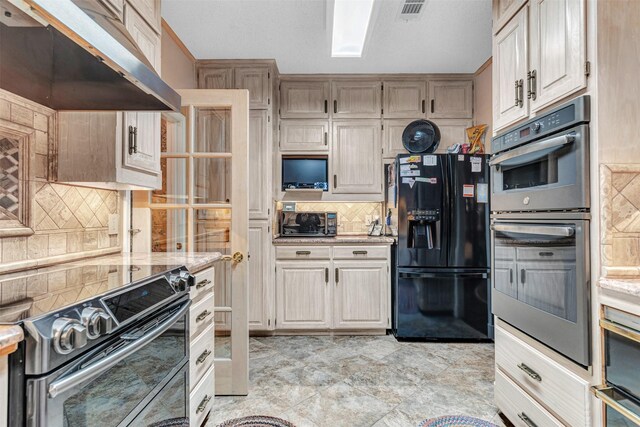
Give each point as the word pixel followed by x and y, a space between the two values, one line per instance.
pixel 629 286
pixel 10 336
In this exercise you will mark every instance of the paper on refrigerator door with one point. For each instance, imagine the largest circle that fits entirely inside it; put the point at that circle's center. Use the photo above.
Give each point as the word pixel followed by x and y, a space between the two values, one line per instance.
pixel 410 159
pixel 482 193
pixel 429 160
pixel 409 181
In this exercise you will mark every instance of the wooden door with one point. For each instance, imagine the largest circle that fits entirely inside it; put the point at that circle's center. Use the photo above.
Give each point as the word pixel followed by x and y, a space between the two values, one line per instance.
pixel 452 131
pixel 257 81
pixel 359 99
pixel 218 127
pixel 215 78
pixel 303 298
pixel 503 10
pixel 361 295
pixel 304 135
pixel 404 99
pixel 142 150
pixel 356 157
pixel 259 165
pixel 304 99
pixel 510 65
pixel 557 49
pixel 450 99
pixel 392 137
pixel 261 295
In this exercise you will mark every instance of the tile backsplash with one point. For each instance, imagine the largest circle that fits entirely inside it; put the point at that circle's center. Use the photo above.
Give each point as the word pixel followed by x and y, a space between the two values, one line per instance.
pixel 352 216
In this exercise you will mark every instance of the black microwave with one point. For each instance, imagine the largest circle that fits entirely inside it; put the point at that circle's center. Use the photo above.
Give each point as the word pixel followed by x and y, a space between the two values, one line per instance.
pixel 305 172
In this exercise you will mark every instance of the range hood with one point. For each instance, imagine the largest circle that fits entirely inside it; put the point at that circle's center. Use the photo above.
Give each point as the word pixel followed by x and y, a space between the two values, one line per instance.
pixel 75 55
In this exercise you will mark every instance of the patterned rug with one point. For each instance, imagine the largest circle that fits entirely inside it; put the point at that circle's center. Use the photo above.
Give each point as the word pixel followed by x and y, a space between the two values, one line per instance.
pixel 256 421
pixel 456 421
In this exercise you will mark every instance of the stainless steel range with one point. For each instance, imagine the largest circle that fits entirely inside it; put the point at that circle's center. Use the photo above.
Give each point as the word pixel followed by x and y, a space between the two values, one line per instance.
pixel 540 229
pixel 104 346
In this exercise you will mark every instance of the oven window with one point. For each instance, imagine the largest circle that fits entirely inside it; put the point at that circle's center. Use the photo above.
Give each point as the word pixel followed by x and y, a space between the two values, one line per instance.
pixel 122 390
pixel 535 173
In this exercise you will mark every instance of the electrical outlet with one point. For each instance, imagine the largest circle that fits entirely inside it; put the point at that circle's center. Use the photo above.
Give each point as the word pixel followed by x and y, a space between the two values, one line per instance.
pixel 368 219
pixel 114 224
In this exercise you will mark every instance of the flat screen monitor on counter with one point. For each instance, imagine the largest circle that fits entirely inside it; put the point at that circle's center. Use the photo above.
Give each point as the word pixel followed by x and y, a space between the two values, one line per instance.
pixel 305 172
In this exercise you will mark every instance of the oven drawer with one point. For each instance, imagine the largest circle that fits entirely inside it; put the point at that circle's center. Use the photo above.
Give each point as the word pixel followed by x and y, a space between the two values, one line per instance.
pixel 201 316
pixel 547 254
pixel 201 399
pixel 360 252
pixel 201 355
pixel 303 252
pixel 518 406
pixel 564 393
pixel 203 285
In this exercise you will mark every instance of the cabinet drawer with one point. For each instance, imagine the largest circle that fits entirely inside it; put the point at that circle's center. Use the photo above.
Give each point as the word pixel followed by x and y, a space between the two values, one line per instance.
pixel 564 393
pixel 303 252
pixel 201 399
pixel 201 316
pixel 518 406
pixel 203 285
pixel 201 355
pixel 360 252
pixel 547 254
pixel 504 253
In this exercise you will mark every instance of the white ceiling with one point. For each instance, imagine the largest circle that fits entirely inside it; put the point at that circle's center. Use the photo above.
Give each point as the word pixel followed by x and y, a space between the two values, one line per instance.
pixel 450 35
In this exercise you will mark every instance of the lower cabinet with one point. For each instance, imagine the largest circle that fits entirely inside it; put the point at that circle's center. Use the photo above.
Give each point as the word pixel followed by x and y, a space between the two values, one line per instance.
pixel 360 295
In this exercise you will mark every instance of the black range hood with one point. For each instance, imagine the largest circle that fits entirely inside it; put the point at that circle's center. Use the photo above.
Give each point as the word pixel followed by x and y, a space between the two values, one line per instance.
pixel 75 55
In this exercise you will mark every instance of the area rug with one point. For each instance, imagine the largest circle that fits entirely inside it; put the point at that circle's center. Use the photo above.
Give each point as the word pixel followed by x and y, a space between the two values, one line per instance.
pixel 456 421
pixel 256 421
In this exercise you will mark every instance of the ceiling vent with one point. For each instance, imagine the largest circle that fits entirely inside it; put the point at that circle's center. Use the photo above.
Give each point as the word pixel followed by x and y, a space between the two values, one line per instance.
pixel 411 9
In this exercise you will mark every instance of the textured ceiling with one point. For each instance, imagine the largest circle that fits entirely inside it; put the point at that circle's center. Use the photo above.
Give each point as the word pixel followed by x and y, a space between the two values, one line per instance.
pixel 449 36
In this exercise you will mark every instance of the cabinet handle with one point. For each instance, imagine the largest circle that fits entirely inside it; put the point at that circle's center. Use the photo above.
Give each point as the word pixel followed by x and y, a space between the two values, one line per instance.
pixel 423 110
pixel 326 106
pixel 303 252
pixel 360 252
pixel 534 82
pixel 528 84
pixel 135 139
pixel 335 181
pixel 203 404
pixel 325 138
pixel 521 92
pixel 203 316
pixel 545 253
pixel 203 283
pixel 130 139
pixel 335 106
pixel 203 357
pixel 517 98
pixel 523 276
pixel 433 102
pixel 326 275
pixel 337 276
pixel 511 275
pixel 527 370
pixel 526 420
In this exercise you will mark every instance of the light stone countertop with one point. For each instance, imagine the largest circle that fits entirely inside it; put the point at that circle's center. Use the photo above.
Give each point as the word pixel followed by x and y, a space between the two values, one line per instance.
pixel 10 336
pixel 194 261
pixel 630 286
pixel 338 240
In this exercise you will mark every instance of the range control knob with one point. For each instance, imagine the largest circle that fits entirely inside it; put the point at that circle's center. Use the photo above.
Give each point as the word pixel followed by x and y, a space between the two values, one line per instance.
pixel 181 283
pixel 535 127
pixel 96 321
pixel 68 335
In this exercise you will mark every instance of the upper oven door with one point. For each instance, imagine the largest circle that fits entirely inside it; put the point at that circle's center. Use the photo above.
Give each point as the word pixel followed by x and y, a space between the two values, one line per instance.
pixel 113 384
pixel 546 174
pixel 541 281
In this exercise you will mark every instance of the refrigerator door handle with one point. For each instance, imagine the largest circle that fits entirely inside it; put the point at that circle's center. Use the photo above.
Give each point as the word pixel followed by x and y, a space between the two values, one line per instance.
pixel 441 275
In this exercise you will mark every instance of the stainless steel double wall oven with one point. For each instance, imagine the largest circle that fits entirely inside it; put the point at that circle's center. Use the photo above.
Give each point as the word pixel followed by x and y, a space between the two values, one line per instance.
pixel 540 228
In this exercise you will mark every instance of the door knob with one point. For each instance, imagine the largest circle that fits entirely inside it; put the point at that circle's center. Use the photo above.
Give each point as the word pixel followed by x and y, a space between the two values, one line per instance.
pixel 237 257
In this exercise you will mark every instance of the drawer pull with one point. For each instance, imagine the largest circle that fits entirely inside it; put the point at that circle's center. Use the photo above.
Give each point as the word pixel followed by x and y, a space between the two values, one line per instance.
pixel 545 253
pixel 203 283
pixel 303 252
pixel 203 357
pixel 360 252
pixel 526 420
pixel 203 316
pixel 202 406
pixel 527 370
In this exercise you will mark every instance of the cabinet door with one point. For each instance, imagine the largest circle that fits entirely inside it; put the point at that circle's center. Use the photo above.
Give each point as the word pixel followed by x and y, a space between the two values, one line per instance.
pixel 304 100
pixel 149 10
pixel 452 131
pixel 392 137
pixel 356 99
pixel 509 71
pixel 356 153
pixel 259 279
pixel 450 99
pixel 504 279
pixel 116 7
pixel 141 150
pixel 256 80
pixel 304 135
pixel 303 295
pixel 145 37
pixel 557 49
pixel 404 99
pixel 360 298
pixel 503 10
pixel 259 165
pixel 215 78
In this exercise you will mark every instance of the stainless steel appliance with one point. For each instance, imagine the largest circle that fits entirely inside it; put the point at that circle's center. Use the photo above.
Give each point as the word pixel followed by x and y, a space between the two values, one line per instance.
pixel 308 224
pixel 621 391
pixel 117 356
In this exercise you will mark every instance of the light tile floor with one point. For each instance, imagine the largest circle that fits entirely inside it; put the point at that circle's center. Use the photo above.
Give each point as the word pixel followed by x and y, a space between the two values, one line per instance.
pixel 363 381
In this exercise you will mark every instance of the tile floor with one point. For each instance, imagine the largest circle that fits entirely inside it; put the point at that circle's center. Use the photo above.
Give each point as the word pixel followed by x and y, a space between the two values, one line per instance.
pixel 363 381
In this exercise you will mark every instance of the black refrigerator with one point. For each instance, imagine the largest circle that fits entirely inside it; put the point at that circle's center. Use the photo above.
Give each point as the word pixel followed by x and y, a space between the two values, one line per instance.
pixel 442 275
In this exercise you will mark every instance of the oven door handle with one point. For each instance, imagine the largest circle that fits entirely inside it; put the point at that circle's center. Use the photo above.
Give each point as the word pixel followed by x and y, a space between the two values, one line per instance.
pixel 602 392
pixel 543 230
pixel 95 369
pixel 556 142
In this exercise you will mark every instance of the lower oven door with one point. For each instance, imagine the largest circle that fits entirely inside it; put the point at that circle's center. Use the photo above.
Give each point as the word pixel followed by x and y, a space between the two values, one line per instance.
pixel 122 382
pixel 541 282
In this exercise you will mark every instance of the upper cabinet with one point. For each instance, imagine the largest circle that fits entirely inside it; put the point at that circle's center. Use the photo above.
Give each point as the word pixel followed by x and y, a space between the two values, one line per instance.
pixel 356 99
pixel 404 99
pixel 258 81
pixel 356 159
pixel 304 135
pixel 141 133
pixel 503 10
pixel 259 165
pixel 304 99
pixel 144 35
pixel 215 78
pixel 450 99
pixel 116 7
pixel 452 131
pixel 149 10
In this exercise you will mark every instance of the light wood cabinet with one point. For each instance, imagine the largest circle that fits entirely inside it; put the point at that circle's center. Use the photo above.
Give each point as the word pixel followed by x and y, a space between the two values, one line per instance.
pixel 356 99
pixel 450 99
pixel 257 80
pixel 259 278
pixel 144 35
pixel 404 99
pixel 392 137
pixel 116 7
pixel 259 165
pixel 452 131
pixel 215 78
pixel 361 294
pixel 149 10
pixel 141 131
pixel 503 10
pixel 303 295
pixel 356 157
pixel 304 99
pixel 304 135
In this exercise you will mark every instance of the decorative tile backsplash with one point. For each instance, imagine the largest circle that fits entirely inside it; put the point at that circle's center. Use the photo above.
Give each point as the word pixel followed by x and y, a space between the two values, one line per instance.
pixel 352 216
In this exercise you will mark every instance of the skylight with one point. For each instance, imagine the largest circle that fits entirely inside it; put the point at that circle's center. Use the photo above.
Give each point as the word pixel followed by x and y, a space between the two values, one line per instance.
pixel 350 23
